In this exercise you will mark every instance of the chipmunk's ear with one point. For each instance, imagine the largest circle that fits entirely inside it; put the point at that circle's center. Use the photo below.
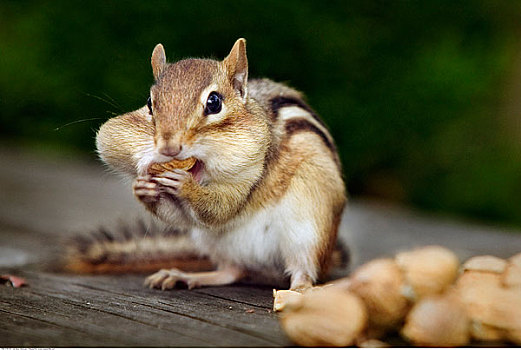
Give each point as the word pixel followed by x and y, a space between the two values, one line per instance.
pixel 236 64
pixel 158 60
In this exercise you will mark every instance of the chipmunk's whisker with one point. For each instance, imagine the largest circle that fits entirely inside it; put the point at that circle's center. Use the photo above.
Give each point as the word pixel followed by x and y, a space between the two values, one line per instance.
pixel 75 122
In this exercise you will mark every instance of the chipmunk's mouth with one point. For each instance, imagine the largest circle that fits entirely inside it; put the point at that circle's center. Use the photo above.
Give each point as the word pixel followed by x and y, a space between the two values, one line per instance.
pixel 196 170
pixel 193 165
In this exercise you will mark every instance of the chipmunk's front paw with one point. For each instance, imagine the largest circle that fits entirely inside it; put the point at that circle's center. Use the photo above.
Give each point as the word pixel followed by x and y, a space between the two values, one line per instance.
pixel 167 279
pixel 146 190
pixel 172 181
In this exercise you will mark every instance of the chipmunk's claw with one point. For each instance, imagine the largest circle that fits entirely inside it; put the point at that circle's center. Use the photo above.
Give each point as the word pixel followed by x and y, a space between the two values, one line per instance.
pixel 167 279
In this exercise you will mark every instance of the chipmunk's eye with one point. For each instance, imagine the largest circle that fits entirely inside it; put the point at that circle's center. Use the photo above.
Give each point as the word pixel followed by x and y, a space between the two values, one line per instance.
pixel 213 103
pixel 149 104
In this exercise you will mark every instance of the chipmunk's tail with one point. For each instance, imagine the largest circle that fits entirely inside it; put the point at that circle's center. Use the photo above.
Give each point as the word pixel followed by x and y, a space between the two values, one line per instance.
pixel 139 249
pixel 340 257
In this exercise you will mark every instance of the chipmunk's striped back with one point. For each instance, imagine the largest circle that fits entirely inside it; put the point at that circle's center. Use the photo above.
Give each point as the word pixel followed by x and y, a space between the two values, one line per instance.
pixel 289 112
pixel 289 116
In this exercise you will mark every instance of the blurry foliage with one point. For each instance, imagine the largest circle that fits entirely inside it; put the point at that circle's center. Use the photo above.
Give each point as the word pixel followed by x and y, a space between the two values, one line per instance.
pixel 410 89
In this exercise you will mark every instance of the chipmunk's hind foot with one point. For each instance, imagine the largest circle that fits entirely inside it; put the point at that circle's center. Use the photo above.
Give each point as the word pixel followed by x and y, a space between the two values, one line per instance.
pixel 168 279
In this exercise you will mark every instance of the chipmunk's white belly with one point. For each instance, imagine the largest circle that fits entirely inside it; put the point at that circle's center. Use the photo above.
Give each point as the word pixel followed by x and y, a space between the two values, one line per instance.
pixel 262 241
pixel 252 243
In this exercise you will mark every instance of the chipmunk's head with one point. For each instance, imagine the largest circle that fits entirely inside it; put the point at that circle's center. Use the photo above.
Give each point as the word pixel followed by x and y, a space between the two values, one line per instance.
pixel 199 109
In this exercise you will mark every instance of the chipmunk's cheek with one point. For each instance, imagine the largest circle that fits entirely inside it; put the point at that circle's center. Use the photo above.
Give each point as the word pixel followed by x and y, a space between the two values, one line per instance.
pixel 197 171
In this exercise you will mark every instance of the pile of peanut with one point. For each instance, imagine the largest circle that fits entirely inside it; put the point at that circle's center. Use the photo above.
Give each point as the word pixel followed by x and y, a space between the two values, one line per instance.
pixel 424 294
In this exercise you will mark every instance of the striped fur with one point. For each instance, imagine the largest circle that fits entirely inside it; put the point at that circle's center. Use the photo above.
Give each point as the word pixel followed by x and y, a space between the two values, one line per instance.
pixel 135 248
pixel 271 192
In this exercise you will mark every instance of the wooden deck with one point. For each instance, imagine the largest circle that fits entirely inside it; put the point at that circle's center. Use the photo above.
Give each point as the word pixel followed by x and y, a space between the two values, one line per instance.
pixel 45 200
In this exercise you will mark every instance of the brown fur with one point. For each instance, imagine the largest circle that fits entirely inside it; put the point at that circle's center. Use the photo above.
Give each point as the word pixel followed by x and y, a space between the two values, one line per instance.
pixel 138 248
pixel 296 156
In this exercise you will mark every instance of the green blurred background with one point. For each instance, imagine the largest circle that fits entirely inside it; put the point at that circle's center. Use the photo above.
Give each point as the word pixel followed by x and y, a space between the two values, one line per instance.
pixel 423 97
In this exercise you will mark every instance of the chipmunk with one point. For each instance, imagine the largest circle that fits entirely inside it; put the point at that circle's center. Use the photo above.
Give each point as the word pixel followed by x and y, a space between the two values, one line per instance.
pixel 265 193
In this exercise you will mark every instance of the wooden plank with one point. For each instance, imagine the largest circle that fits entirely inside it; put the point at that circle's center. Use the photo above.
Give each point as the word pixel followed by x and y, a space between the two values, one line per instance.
pixel 20 247
pixel 60 196
pixel 223 312
pixel 172 318
pixel 82 321
pixel 26 331
pixel 244 294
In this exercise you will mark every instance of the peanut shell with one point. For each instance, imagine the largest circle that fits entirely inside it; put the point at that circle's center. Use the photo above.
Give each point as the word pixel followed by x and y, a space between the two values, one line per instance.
pixel 438 320
pixel 158 168
pixel 283 297
pixel 485 263
pixel 325 317
pixel 379 283
pixel 428 270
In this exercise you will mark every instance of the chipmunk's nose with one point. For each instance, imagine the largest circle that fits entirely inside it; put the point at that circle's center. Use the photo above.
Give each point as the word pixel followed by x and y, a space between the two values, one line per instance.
pixel 169 147
pixel 170 150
